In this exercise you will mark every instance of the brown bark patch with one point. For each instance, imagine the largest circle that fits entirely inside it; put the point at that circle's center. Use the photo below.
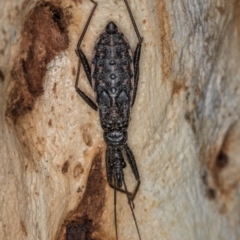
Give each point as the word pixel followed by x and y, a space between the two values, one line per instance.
pixel 236 18
pixel 50 123
pixel 65 167
pixel 85 222
pixel 73 71
pixel 221 10
pixel 2 77
pixel 210 192
pixel 78 170
pixel 44 36
pixel 54 88
pixel 23 228
pixel 87 138
pixel 25 3
pixel 79 231
pixel 190 117
pixel 165 39
pixel 178 86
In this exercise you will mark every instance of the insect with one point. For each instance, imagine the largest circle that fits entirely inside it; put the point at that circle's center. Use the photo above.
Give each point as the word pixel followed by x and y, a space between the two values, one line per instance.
pixel 113 75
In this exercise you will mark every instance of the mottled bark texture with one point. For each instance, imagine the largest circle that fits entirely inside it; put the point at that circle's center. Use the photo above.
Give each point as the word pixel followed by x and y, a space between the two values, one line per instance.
pixel 184 130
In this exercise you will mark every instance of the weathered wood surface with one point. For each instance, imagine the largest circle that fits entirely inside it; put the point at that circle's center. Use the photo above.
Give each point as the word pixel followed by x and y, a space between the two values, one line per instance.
pixel 184 131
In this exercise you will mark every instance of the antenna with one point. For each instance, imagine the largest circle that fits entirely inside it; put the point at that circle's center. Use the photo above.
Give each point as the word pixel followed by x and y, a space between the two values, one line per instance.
pixel 115 209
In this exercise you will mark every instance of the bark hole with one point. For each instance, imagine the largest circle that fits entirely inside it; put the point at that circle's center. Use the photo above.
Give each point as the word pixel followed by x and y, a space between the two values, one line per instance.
pixel 222 160
pixel 223 176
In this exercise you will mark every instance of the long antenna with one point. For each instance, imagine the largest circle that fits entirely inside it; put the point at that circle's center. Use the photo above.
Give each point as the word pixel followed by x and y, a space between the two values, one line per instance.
pixel 133 21
pixel 129 202
pixel 115 209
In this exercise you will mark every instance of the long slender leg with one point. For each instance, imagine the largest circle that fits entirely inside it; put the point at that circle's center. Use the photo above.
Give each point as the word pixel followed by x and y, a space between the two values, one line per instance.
pixel 133 22
pixel 122 191
pixel 137 53
pixel 134 168
pixel 108 165
pixel 79 52
pixel 136 60
pixel 130 202
pixel 81 93
pixel 132 162
pixel 87 24
pixel 86 67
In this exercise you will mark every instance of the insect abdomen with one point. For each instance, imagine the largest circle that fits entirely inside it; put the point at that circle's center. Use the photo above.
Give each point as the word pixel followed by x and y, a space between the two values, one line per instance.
pixel 112 66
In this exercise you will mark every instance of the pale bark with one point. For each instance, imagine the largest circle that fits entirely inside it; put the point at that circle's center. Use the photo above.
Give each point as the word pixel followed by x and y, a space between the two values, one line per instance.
pixel 184 131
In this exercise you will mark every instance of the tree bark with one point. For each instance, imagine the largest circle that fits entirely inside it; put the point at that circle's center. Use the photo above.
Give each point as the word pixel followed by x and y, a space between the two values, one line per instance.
pixel 184 130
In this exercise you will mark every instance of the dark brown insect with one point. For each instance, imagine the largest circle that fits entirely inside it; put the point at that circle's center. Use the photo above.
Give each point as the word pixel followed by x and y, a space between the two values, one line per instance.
pixel 113 75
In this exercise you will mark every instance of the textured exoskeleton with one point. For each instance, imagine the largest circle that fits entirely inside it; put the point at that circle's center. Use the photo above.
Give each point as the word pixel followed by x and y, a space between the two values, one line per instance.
pixel 113 75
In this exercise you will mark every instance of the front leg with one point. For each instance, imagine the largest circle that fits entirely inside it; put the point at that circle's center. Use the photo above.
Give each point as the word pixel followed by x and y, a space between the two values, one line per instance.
pixel 86 67
pixel 136 60
pixel 137 53
pixel 133 165
pixel 108 165
pixel 80 92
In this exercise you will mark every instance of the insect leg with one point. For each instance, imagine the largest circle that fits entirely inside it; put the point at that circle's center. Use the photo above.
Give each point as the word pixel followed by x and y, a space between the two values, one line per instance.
pixel 131 207
pixel 123 191
pixel 87 24
pixel 108 165
pixel 81 93
pixel 86 67
pixel 134 168
pixel 137 53
pixel 79 52
pixel 133 22
pixel 136 60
